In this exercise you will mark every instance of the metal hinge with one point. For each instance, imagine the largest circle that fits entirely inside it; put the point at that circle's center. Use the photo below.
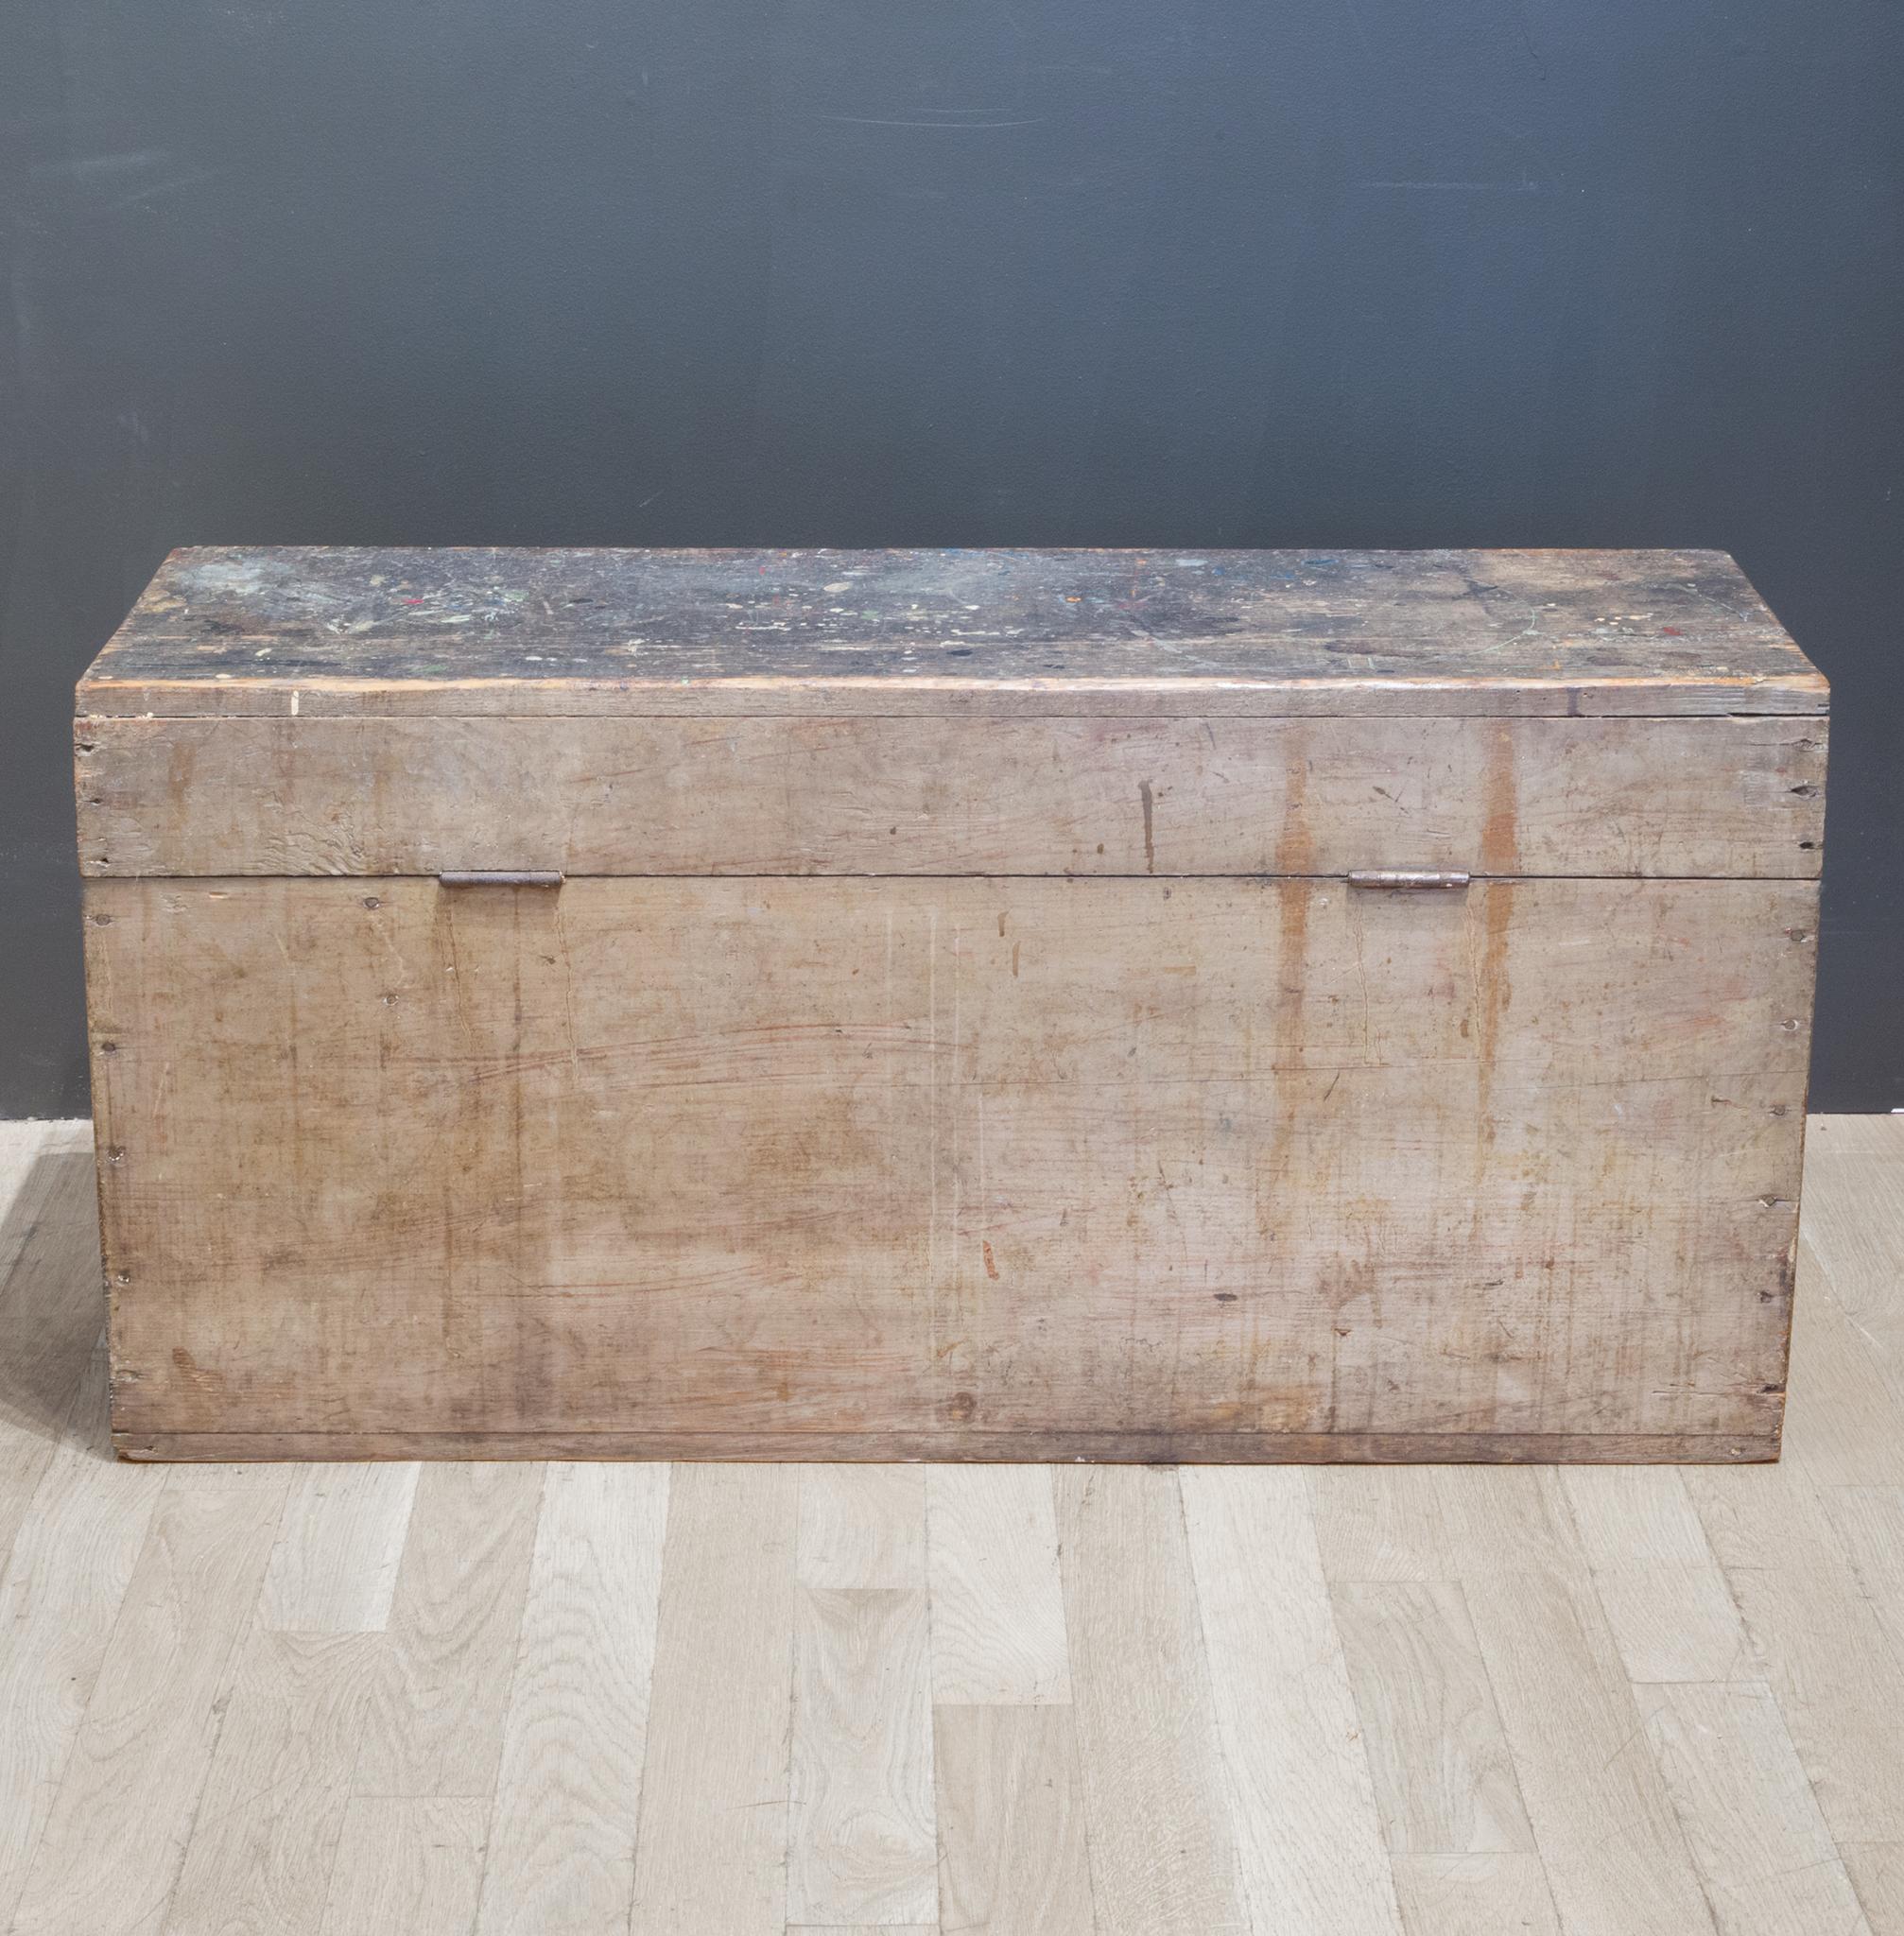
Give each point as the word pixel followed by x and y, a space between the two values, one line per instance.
pixel 1407 877
pixel 500 878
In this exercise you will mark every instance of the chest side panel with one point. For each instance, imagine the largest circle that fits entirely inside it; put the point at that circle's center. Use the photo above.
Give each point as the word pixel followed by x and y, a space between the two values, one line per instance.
pixel 951 1166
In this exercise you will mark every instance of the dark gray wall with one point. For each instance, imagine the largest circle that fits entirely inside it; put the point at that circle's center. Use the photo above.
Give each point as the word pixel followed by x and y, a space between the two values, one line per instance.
pixel 1322 273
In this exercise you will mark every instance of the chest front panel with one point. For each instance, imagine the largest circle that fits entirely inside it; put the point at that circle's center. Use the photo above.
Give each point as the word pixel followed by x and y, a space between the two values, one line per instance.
pixel 933 1159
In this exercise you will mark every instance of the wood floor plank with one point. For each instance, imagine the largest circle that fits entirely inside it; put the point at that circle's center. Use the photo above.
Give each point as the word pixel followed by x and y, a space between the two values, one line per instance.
pixel 1817 1641
pixel 31 1169
pixel 110 1850
pixel 862 1843
pixel 265 1835
pixel 1616 1860
pixel 1829 1136
pixel 1379 1523
pixel 1011 1822
pixel 1303 1800
pixel 52 1308
pixel 1844 1421
pixel 863 1525
pixel 408 1865
pixel 73 1559
pixel 1762 1848
pixel 997 1604
pixel 1869 1525
pixel 334 1568
pixel 1157 1814
pixel 1876 1872
pixel 711 1850
pixel 1444 1777
pixel 433 1726
pixel 568 1794
pixel 1853 1230
pixel 1404 1522
pixel 1662 1590
pixel 1854 1203
pixel 1489 1894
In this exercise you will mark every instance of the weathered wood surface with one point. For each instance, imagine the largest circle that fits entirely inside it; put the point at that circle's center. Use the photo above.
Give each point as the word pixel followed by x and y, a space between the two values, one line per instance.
pixel 300 632
pixel 800 796
pixel 980 1169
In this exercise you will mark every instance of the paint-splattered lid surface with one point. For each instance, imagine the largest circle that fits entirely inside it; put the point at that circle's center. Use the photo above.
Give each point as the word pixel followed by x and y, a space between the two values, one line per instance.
pixel 275 631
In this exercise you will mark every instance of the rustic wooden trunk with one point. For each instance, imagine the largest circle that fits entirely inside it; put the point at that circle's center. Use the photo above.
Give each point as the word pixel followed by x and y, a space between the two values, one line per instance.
pixel 939 1012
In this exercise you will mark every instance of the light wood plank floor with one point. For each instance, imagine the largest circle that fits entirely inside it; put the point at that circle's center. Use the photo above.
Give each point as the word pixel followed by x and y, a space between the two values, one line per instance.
pixel 727 1701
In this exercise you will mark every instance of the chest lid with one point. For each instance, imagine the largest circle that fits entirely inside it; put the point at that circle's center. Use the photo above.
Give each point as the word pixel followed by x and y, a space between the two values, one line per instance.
pixel 312 631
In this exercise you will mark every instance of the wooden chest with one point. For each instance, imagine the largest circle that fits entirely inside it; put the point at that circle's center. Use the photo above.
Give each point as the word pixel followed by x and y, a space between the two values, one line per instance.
pixel 970 1005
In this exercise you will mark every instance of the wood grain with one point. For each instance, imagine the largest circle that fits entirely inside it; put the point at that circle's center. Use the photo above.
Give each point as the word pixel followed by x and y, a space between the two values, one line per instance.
pixel 1011 1821
pixel 896 796
pixel 1059 1158
pixel 1817 1641
pixel 1854 1233
pixel 1444 1777
pixel 50 1305
pixel 1876 1872
pixel 997 1603
pixel 1855 1214
pixel 862 1843
pixel 1868 1522
pixel 114 1838
pixel 714 1788
pixel 1614 1855
pixel 433 1726
pixel 264 1842
pixel 1762 1848
pixel 1300 1797
pixel 80 1537
pixel 1603 1823
pixel 1853 1436
pixel 1163 1848
pixel 1420 1524
pixel 410 1864
pixel 334 1568
pixel 568 1789
pixel 1661 1588
pixel 1489 1894
pixel 863 1525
